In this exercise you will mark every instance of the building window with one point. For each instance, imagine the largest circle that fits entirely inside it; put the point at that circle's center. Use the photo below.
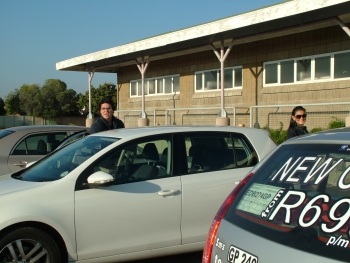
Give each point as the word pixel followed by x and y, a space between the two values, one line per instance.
pixel 287 71
pixel 210 79
pixel 332 66
pixel 323 67
pixel 342 65
pixel 156 86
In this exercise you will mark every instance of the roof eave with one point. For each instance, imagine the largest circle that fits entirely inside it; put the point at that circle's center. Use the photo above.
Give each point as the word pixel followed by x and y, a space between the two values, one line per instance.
pixel 274 21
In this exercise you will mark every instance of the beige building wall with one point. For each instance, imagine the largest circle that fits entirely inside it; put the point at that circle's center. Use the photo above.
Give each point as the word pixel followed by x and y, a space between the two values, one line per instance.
pixel 251 57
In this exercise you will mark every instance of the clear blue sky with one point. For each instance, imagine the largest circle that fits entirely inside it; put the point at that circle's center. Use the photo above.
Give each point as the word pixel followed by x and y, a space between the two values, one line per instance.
pixel 36 34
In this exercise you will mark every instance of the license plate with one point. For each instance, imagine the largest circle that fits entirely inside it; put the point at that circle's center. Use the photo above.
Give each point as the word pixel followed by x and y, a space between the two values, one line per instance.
pixel 237 255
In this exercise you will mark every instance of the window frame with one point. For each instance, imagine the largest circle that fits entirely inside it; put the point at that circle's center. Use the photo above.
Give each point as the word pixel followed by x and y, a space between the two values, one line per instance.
pixel 136 91
pixel 295 60
pixel 223 143
pixel 218 82
pixel 170 169
pixel 48 137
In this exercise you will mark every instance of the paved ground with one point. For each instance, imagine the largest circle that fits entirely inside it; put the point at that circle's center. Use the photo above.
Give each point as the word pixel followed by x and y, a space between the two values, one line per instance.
pixel 183 258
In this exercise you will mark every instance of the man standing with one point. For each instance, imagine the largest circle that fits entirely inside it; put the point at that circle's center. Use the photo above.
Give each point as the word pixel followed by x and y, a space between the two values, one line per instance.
pixel 107 121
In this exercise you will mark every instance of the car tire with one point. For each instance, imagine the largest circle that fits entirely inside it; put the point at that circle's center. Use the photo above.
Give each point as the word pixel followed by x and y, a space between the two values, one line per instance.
pixel 29 244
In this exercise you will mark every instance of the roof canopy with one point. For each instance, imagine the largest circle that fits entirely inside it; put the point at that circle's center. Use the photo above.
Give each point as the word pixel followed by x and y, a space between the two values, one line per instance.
pixel 278 20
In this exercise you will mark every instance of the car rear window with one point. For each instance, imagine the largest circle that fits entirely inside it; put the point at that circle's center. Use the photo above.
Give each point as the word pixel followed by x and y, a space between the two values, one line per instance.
pixel 300 197
pixel 4 133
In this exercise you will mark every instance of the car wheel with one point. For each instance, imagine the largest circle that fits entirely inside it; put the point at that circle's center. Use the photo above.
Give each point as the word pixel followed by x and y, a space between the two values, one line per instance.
pixel 28 244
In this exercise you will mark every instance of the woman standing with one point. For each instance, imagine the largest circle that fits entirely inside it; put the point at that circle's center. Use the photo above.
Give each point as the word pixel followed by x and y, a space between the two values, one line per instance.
pixel 297 121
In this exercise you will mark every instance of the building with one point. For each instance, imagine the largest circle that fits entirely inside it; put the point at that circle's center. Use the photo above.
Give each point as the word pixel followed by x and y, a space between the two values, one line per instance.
pixel 294 52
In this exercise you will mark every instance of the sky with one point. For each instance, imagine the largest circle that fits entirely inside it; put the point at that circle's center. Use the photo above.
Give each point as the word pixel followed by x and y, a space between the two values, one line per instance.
pixel 36 34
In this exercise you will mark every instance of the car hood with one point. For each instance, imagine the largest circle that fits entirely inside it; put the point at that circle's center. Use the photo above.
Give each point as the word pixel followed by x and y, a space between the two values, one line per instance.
pixel 10 185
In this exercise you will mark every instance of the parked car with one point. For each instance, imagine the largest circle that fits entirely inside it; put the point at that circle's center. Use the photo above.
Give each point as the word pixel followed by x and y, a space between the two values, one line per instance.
pixel 24 144
pixel 125 194
pixel 294 206
pixel 342 129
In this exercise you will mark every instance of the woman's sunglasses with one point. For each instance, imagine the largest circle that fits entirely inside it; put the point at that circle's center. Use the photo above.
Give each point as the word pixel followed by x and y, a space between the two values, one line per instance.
pixel 299 116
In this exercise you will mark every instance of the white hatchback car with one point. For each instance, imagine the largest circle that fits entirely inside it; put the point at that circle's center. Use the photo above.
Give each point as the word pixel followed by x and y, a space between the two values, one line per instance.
pixel 125 194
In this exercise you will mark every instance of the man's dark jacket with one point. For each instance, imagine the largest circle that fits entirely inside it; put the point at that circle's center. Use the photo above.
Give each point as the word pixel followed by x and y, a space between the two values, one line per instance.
pixel 102 125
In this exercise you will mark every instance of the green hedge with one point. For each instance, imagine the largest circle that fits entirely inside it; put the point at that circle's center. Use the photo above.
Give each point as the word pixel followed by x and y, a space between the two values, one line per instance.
pixel 280 135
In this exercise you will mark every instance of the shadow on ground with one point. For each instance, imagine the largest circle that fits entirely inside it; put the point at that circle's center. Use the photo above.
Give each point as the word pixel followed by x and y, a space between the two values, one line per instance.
pixel 195 257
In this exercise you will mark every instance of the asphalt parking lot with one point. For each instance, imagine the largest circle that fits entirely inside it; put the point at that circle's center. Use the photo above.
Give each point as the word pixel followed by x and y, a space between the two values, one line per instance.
pixel 195 257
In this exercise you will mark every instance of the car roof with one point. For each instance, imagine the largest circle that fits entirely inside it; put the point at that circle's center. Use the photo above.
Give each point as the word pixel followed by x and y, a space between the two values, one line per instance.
pixel 150 130
pixel 330 136
pixel 342 129
pixel 171 128
pixel 46 127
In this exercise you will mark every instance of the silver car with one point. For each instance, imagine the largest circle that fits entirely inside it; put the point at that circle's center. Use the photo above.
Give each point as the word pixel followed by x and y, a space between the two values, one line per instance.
pixel 125 194
pixel 294 206
pixel 25 144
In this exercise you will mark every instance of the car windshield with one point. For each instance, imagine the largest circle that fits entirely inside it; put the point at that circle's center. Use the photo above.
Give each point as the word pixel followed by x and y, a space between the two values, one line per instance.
pixel 4 133
pixel 60 163
pixel 301 190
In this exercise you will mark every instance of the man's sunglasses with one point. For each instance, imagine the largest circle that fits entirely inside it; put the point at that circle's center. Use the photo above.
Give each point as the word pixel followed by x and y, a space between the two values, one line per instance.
pixel 299 116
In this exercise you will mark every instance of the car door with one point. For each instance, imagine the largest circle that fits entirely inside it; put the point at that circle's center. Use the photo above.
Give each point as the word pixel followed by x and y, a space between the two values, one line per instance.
pixel 213 170
pixel 32 148
pixel 140 212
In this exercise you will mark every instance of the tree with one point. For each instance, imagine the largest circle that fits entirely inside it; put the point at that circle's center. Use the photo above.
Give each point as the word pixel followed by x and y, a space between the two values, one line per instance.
pixel 50 94
pixel 83 103
pixel 12 103
pixel 68 101
pixel 30 99
pixel 107 90
pixel 58 101
pixel 2 107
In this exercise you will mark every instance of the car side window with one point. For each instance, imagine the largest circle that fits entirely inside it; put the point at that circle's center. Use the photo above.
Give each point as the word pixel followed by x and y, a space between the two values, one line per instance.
pixel 244 152
pixel 208 152
pixel 145 159
pixel 39 144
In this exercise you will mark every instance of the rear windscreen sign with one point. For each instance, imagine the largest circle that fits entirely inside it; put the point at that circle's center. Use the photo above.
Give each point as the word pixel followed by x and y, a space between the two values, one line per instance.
pixel 258 198
pixel 314 193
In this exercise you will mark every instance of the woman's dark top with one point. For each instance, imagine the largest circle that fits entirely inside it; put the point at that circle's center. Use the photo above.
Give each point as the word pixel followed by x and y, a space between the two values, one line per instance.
pixel 297 131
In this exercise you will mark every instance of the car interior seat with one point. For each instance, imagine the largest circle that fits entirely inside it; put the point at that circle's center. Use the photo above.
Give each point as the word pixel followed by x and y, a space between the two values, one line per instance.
pixel 55 144
pixel 145 172
pixel 163 164
pixel 164 158
pixel 196 152
pixel 150 152
pixel 149 170
pixel 41 148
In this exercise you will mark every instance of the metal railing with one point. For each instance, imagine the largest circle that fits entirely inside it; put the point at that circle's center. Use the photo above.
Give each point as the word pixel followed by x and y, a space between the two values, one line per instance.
pixel 13 121
pixel 204 116
pixel 319 115
pixel 272 116
pixel 130 117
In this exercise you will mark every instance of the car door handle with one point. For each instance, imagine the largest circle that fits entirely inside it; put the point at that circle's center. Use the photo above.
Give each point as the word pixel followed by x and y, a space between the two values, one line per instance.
pixel 20 164
pixel 168 192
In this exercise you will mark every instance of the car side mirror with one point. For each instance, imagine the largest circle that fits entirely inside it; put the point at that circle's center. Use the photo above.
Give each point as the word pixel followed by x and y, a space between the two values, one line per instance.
pixel 99 179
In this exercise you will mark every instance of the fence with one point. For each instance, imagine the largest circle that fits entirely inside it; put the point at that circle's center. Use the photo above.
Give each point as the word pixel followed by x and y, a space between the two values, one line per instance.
pixel 13 121
pixel 205 116
pixel 319 115
pixel 272 116
pixel 184 116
